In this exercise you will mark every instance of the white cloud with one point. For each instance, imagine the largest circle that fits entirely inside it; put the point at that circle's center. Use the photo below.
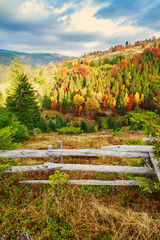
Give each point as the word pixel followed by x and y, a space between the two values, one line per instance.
pixel 64 18
pixel 91 45
pixel 63 9
pixel 33 9
pixel 84 21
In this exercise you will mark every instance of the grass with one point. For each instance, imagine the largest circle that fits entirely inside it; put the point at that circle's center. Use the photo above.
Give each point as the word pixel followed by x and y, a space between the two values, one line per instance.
pixel 77 212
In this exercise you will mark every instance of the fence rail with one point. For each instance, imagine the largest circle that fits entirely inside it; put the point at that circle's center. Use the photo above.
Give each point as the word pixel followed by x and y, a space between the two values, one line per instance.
pixel 125 151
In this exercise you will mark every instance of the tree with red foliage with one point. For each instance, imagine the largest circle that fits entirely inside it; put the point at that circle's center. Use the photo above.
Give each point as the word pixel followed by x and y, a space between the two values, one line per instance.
pixel 124 64
pixel 105 101
pixel 115 71
pixel 131 103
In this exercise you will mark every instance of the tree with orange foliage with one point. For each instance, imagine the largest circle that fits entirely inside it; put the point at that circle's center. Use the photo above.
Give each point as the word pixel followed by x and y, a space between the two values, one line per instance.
pixel 144 45
pixel 131 103
pixel 124 63
pixel 64 71
pixel 105 101
pixel 115 71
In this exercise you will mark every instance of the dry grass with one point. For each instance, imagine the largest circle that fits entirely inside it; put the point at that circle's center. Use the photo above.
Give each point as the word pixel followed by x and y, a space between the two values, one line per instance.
pixel 100 212
pixel 92 218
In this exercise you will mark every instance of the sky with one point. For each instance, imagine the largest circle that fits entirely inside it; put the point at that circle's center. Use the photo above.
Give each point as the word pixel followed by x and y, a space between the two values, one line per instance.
pixel 73 27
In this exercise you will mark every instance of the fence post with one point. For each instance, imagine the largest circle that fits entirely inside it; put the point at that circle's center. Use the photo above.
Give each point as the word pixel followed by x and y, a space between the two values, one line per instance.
pixel 51 158
pixel 59 146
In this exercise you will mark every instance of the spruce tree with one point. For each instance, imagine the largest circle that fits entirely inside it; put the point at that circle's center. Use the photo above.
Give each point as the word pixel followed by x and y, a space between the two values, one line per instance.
pixel 21 99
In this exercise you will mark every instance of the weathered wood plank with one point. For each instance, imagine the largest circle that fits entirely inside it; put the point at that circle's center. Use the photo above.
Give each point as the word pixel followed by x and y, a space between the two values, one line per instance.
pixel 81 167
pixel 128 148
pixel 89 182
pixel 70 152
pixel 33 168
pixel 156 165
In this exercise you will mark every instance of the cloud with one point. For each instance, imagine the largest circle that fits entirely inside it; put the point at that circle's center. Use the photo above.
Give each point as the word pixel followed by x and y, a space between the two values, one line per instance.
pixel 32 10
pixel 75 26
pixel 144 13
pixel 86 21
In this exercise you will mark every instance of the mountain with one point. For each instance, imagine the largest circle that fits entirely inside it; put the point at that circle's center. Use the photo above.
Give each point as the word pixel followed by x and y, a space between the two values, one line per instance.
pixel 35 60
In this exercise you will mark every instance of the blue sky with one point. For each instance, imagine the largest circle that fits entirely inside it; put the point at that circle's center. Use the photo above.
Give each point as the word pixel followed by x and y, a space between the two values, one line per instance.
pixel 72 27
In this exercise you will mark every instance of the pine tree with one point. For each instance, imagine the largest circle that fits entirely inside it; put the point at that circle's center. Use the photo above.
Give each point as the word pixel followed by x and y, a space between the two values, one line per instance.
pixel 21 99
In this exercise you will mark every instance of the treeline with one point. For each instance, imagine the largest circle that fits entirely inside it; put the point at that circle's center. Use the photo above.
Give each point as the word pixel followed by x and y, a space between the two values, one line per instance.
pixel 119 84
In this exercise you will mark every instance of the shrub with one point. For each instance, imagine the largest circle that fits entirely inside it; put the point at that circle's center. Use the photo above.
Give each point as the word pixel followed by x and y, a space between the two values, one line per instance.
pixel 19 132
pixel 99 124
pixel 51 125
pixel 92 128
pixel 84 126
pixel 111 122
pixel 7 135
pixel 59 122
pixel 148 122
pixel 119 124
pixel 70 130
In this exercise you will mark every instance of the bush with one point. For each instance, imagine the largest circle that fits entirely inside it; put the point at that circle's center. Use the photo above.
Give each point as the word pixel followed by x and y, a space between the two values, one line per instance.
pixel 111 122
pixel 70 130
pixel 7 135
pixel 51 125
pixel 84 126
pixel 19 131
pixel 99 124
pixel 59 122
pixel 92 128
pixel 119 124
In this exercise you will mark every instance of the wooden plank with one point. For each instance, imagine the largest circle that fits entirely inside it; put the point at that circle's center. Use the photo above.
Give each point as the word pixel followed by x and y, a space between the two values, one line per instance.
pixel 89 182
pixel 98 182
pixel 33 168
pixel 128 148
pixel 156 165
pixel 81 167
pixel 69 152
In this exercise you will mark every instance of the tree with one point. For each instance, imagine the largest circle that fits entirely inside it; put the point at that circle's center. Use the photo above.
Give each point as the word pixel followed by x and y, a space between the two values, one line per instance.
pixel 21 99
pixel 46 102
pixel 78 100
pixel 92 106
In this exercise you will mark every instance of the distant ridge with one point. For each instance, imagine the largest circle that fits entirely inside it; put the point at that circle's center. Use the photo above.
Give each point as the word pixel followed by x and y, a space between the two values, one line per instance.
pixel 34 59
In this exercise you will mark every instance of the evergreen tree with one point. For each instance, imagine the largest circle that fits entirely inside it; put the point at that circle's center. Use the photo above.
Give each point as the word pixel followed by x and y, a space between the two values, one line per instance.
pixel 46 102
pixel 21 99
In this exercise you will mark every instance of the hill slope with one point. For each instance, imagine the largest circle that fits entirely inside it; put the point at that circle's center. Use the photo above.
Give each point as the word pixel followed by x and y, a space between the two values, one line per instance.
pixel 33 59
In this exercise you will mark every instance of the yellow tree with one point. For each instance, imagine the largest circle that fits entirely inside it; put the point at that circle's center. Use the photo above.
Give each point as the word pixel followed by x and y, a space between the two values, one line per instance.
pixel 92 106
pixel 78 100
pixel 126 99
pixel 137 98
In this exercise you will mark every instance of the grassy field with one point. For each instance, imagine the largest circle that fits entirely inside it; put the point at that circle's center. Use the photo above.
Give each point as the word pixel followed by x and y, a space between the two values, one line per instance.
pixel 78 212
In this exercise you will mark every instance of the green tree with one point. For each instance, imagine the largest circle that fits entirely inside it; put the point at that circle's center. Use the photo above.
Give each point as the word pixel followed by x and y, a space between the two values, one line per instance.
pixel 46 102
pixel 21 99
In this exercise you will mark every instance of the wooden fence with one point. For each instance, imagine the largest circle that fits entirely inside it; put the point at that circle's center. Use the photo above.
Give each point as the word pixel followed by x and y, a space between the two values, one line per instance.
pixel 124 151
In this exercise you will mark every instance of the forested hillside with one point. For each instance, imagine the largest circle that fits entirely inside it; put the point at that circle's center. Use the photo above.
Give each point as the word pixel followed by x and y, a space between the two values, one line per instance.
pixel 120 84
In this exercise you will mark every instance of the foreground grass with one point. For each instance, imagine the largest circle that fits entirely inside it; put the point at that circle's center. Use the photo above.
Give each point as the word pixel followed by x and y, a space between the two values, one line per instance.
pixel 41 212
pixel 77 212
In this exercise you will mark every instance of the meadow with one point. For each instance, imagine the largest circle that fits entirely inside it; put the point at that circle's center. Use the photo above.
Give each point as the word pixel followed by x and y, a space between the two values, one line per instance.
pixel 78 212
